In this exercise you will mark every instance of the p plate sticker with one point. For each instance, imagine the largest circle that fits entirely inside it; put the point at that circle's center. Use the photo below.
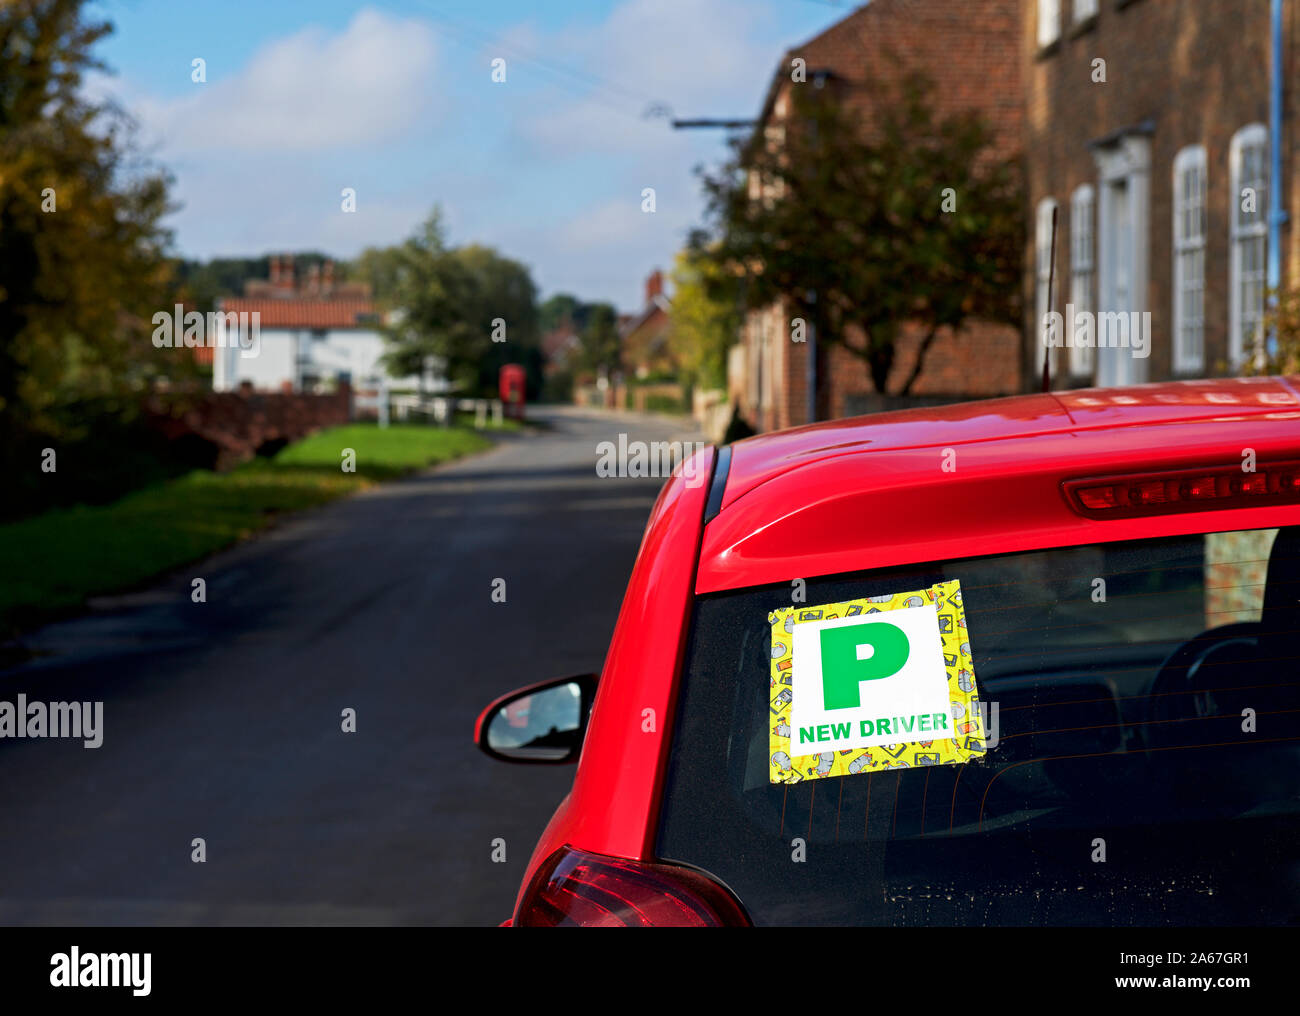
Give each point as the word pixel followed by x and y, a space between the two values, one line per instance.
pixel 885 682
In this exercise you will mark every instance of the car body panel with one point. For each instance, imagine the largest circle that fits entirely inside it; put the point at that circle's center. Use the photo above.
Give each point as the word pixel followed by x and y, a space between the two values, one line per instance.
pixel 1023 417
pixel 615 791
pixel 881 508
pixel 870 492
pixel 1179 402
pixel 756 460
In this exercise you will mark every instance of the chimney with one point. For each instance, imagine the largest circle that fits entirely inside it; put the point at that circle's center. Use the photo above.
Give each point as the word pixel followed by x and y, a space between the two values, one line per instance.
pixel 313 280
pixel 328 282
pixel 275 269
pixel 654 286
pixel 286 272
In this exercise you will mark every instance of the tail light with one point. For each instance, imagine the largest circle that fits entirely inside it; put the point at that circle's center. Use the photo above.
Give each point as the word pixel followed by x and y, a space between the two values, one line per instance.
pixel 1187 490
pixel 575 888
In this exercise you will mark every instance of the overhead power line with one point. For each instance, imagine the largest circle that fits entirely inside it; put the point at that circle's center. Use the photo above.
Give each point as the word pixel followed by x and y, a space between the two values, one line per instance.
pixel 578 81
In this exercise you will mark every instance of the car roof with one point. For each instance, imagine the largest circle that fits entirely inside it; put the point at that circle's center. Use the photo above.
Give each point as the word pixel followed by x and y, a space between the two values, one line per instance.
pixel 1023 418
pixel 946 482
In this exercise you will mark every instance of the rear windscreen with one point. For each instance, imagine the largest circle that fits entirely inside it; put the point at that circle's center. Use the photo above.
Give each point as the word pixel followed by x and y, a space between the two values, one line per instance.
pixel 1139 710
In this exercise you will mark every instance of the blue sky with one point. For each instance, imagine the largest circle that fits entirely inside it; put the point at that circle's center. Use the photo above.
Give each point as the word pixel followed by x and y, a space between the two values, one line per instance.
pixel 397 101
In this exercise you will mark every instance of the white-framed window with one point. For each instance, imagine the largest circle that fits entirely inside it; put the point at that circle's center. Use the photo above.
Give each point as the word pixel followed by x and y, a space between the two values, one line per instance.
pixel 1083 268
pixel 1248 239
pixel 1049 21
pixel 1189 258
pixel 1043 275
pixel 1084 9
pixel 774 188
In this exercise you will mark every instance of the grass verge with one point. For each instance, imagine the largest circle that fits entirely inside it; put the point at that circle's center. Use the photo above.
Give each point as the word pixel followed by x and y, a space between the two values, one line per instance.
pixel 51 563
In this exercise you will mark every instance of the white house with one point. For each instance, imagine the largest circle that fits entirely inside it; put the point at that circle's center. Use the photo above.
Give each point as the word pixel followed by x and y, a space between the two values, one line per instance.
pixel 306 338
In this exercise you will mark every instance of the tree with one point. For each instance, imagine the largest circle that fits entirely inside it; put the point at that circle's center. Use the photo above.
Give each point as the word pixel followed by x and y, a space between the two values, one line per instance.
pixel 559 308
pixel 380 269
pixel 432 293
pixel 862 229
pixel 504 308
pixel 82 266
pixel 1280 352
pixel 705 318
pixel 600 343
pixel 450 303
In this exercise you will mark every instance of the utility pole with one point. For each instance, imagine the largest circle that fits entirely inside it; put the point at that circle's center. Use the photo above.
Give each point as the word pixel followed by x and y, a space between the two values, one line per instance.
pixel 711 123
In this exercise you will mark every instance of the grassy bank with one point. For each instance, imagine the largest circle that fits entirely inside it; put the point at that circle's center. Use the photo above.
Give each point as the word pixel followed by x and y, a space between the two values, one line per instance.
pixel 52 562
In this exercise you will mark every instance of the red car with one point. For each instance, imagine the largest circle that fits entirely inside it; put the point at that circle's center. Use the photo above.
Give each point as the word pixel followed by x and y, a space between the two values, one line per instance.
pixel 1123 567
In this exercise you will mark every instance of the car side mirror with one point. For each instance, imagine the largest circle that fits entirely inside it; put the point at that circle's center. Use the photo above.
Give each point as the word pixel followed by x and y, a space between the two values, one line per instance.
pixel 543 722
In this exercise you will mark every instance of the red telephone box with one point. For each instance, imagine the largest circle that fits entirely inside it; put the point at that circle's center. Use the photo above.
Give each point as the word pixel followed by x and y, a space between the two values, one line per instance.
pixel 511 384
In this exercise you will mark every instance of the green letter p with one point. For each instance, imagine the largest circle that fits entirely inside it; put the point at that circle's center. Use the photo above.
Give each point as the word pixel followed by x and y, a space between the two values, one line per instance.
pixel 856 653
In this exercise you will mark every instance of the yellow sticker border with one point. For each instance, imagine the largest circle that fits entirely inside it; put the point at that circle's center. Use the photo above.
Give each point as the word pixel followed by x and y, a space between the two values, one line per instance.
pixel 962 691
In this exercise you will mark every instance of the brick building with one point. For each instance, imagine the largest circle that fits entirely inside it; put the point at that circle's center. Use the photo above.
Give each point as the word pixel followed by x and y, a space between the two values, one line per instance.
pixel 311 332
pixel 971 51
pixel 645 337
pixel 1147 128
pixel 1146 125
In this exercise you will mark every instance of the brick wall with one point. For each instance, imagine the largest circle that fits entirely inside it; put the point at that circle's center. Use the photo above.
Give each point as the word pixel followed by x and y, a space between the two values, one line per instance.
pixel 979 362
pixel 971 52
pixel 1197 72
pixel 973 363
pixel 236 424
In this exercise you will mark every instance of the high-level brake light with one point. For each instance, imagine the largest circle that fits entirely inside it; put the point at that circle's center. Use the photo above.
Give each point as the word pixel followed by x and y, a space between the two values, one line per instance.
pixel 1187 490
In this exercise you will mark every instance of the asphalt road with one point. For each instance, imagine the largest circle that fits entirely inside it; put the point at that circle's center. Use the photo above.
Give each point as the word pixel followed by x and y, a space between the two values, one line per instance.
pixel 222 720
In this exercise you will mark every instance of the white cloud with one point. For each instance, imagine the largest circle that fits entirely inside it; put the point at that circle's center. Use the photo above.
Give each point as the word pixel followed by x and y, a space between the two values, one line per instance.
pixel 613 244
pixel 700 57
pixel 309 92
pixel 604 227
pixel 550 174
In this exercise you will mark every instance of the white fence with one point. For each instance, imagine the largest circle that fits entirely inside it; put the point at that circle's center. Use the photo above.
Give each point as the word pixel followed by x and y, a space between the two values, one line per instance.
pixel 376 399
pixel 440 408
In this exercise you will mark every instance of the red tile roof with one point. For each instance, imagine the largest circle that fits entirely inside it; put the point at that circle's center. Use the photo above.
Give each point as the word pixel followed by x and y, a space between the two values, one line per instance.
pixel 297 313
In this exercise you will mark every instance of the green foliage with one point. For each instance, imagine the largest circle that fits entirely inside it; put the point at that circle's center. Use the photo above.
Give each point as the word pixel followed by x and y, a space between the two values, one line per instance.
pixel 504 291
pixel 654 377
pixel 430 289
pixel 554 312
pixel 448 300
pixel 111 458
pixel 382 268
pixel 561 307
pixel 557 386
pixel 54 561
pixel 705 317
pixel 856 216
pixel 600 341
pixel 82 267
pixel 1282 322
pixel 382 452
pixel 659 403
